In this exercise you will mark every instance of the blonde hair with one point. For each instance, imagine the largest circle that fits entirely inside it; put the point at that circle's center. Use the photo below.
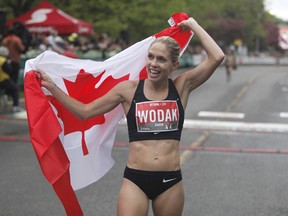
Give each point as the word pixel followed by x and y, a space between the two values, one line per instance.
pixel 171 44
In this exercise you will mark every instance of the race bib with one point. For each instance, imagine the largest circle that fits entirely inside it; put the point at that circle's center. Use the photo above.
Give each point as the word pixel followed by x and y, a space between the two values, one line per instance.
pixel 157 116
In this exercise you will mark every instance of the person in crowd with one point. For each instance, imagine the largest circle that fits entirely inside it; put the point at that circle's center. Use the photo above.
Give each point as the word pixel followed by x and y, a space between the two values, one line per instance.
pixel 7 85
pixel 74 41
pixel 230 63
pixel 59 45
pixel 153 169
pixel 16 47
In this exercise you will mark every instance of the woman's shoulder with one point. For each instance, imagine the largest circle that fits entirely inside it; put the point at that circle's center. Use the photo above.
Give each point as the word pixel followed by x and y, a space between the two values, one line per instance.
pixel 128 83
pixel 126 89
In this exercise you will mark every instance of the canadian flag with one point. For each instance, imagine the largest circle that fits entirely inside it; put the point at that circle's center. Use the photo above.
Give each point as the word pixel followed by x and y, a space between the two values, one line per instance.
pixel 73 153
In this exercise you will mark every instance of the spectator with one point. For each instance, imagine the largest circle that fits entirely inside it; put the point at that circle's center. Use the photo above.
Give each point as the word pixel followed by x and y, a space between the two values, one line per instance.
pixel 74 42
pixel 7 85
pixel 15 47
pixel 230 63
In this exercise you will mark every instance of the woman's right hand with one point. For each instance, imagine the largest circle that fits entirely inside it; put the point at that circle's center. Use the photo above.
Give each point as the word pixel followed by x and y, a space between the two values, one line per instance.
pixel 46 81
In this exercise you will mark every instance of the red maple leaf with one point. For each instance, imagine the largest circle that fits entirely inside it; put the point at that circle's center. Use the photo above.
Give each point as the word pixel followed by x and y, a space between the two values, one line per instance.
pixel 84 90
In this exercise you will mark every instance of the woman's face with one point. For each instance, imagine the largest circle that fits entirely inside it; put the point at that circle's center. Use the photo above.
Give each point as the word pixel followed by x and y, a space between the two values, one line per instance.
pixel 159 63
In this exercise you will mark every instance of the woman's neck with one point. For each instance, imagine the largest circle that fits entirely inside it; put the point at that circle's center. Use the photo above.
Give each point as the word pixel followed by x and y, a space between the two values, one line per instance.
pixel 156 90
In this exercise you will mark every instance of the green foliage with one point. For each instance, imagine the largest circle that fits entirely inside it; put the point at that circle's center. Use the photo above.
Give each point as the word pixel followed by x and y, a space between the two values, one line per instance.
pixel 15 7
pixel 225 20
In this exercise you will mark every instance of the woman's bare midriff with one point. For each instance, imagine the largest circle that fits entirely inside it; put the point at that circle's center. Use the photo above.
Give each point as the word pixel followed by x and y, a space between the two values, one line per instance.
pixel 154 155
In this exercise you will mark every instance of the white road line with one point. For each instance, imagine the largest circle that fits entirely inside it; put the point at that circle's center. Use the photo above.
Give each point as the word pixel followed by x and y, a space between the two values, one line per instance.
pixel 221 114
pixel 235 126
pixel 217 125
pixel 283 114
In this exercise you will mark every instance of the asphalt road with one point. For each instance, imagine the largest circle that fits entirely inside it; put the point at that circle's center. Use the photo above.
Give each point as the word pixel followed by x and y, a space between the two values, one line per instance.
pixel 234 154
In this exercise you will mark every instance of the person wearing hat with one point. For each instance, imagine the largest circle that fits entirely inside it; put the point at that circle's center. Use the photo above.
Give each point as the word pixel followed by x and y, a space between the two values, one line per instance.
pixel 7 85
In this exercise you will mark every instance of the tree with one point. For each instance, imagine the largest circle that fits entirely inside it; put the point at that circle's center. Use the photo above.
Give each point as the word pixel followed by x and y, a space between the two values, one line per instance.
pixel 17 7
pixel 138 17
pixel 225 20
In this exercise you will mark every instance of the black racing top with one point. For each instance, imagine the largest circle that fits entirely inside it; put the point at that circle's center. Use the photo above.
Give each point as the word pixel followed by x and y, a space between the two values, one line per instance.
pixel 155 120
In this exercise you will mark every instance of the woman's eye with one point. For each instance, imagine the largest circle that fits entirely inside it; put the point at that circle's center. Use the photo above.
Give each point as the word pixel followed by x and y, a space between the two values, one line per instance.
pixel 150 57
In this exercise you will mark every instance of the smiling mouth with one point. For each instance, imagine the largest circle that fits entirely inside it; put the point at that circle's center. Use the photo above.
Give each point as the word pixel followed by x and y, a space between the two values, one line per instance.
pixel 154 72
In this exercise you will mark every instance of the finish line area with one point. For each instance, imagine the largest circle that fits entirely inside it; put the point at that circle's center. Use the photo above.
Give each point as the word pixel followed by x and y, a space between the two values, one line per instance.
pixel 207 124
pixel 236 126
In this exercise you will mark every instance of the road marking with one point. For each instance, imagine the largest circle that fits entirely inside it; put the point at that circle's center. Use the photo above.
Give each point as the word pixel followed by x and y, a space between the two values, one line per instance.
pixel 221 114
pixel 237 150
pixel 198 142
pixel 181 147
pixel 211 125
pixel 233 126
pixel 14 138
pixel 283 114
pixel 229 108
pixel 236 126
pixel 240 94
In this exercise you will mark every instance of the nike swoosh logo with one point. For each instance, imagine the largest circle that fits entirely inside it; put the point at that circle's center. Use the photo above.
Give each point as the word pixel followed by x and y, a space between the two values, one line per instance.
pixel 168 180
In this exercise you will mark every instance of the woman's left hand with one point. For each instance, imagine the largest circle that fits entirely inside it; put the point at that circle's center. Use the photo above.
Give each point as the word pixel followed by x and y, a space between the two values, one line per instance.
pixel 188 24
